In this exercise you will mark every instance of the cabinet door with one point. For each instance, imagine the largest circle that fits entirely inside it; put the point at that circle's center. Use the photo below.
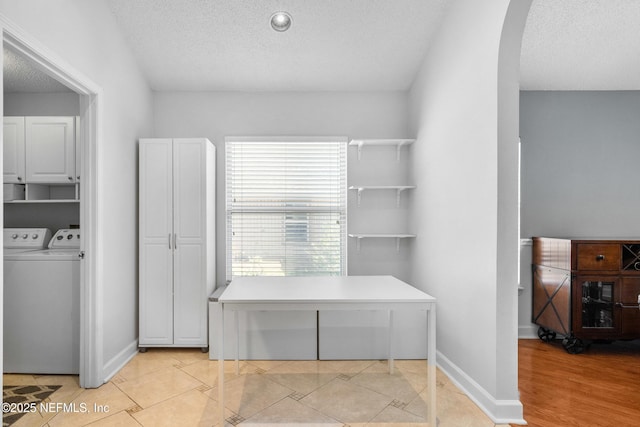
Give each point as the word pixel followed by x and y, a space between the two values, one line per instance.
pixel 629 307
pixel 78 150
pixel 190 298
pixel 156 242
pixel 594 307
pixel 13 134
pixel 50 149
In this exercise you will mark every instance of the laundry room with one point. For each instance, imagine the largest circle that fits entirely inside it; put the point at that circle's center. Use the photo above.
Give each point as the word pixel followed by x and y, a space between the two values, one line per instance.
pixel 41 235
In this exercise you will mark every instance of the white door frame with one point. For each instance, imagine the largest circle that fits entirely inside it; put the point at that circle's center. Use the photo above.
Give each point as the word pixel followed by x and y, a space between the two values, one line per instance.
pixel 91 331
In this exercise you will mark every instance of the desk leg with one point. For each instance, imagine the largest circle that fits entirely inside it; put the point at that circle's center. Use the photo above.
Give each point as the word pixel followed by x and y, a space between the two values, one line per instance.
pixel 220 323
pixel 431 366
pixel 237 328
pixel 390 342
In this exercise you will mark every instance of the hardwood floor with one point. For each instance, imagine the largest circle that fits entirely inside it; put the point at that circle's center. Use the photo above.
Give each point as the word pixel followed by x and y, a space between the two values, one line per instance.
pixel 600 387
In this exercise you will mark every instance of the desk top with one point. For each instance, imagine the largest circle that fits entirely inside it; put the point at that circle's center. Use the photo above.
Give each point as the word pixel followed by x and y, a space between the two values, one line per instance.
pixel 322 289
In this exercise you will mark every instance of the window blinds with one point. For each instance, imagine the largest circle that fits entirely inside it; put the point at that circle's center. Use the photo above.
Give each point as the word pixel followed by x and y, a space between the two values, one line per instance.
pixel 286 206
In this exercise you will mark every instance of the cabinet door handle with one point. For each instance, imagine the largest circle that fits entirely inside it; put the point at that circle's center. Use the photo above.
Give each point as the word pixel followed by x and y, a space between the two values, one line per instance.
pixel 599 257
pixel 169 240
pixel 621 305
pixel 175 241
pixel 19 178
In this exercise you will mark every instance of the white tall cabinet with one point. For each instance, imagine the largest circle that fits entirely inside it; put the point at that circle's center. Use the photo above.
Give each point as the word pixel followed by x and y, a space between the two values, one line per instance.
pixel 177 240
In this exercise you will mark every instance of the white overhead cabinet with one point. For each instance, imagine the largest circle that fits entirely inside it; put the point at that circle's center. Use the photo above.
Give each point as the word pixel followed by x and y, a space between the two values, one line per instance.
pixel 41 159
pixel 177 241
pixel 50 149
pixel 13 143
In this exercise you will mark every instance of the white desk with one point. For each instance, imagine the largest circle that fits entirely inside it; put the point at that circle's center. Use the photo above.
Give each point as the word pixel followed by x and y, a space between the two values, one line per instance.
pixel 328 293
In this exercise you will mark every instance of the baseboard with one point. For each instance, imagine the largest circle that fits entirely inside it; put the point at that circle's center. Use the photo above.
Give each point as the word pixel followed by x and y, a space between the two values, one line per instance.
pixel 499 411
pixel 528 332
pixel 119 360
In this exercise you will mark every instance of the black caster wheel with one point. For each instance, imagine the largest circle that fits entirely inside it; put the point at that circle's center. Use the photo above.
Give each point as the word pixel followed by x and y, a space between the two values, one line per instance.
pixel 142 349
pixel 204 349
pixel 573 345
pixel 546 335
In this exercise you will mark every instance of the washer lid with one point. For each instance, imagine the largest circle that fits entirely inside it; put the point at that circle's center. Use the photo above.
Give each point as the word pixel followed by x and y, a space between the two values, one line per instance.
pixel 46 255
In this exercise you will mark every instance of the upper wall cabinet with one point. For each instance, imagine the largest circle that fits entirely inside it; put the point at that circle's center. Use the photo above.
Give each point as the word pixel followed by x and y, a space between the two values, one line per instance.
pixel 14 162
pixel 50 149
pixel 39 150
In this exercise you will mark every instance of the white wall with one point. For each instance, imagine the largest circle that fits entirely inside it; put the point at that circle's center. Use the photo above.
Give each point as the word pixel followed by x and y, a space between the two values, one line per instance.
pixel 355 115
pixel 464 209
pixel 83 35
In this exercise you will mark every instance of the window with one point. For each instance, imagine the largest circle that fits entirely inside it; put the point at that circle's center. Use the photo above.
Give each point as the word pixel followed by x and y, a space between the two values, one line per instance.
pixel 286 206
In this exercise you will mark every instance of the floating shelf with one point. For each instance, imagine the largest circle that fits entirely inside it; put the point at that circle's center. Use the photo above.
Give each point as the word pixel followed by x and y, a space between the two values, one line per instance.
pixel 399 143
pixel 17 202
pixel 398 188
pixel 360 236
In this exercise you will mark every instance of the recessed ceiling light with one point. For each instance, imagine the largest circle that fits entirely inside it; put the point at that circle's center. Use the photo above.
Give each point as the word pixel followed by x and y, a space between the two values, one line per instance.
pixel 280 21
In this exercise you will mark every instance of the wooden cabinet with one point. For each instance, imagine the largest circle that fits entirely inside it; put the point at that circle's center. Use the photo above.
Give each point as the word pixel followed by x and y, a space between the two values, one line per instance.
pixel 586 290
pixel 177 241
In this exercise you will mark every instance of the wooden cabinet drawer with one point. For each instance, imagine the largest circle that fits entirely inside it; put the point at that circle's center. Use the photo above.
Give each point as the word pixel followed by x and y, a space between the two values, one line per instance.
pixel 598 256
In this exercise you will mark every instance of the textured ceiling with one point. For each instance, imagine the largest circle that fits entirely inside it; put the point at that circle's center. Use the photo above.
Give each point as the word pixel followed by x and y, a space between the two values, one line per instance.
pixel 352 45
pixel 21 76
pixel 581 45
pixel 340 45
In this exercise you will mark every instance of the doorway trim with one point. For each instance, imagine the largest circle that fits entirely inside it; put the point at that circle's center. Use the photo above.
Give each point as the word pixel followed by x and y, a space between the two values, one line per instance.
pixel 91 109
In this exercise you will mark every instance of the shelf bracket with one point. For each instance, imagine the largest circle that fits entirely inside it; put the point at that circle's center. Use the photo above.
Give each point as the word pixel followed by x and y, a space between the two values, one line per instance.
pixel 360 144
pixel 360 190
pixel 397 244
pixel 398 191
pixel 358 243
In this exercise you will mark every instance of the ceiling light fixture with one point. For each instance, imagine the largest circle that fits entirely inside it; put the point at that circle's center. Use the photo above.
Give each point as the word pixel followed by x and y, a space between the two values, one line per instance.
pixel 280 21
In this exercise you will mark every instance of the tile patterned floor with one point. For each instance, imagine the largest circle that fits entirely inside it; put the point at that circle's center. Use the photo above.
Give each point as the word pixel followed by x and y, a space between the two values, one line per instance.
pixel 178 387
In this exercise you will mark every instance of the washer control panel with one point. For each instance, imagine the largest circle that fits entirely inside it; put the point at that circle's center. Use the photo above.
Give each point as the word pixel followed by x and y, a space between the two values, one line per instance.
pixel 65 238
pixel 26 238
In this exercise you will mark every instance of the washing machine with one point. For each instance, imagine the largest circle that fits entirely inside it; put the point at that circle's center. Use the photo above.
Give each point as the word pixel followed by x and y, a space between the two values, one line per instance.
pixel 41 301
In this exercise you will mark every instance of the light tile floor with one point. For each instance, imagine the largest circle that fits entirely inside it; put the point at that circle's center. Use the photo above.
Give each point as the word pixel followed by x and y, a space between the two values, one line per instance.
pixel 178 387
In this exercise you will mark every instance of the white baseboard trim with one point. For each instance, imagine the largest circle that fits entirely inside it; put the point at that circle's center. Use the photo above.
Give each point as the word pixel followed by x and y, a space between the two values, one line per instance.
pixel 499 411
pixel 528 332
pixel 119 360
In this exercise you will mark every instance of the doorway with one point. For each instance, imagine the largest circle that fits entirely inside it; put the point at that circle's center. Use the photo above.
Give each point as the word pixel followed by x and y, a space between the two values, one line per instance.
pixel 51 68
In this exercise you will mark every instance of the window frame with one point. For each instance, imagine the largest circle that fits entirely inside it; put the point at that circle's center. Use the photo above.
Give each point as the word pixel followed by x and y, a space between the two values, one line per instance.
pixel 294 212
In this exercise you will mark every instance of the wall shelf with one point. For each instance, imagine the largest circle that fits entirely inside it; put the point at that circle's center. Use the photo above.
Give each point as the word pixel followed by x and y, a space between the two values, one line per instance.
pixel 43 193
pixel 360 236
pixel 27 202
pixel 399 143
pixel 398 188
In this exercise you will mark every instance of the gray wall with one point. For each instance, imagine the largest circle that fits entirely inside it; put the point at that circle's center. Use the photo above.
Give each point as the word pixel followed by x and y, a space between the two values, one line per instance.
pixel 42 104
pixel 580 153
